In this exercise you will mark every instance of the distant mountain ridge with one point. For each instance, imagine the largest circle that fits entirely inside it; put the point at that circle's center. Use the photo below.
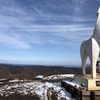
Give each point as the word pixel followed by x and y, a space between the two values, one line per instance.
pixel 31 71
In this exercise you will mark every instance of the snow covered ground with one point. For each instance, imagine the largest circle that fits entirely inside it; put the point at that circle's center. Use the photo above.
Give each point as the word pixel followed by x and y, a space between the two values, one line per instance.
pixel 59 76
pixel 35 88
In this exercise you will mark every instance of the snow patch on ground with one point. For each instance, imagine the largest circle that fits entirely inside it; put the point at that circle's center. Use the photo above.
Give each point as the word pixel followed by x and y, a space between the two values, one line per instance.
pixel 35 88
pixel 73 83
pixel 40 89
pixel 59 76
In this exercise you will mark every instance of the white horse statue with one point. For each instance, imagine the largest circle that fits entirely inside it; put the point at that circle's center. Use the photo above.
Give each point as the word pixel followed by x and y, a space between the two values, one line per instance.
pixel 91 48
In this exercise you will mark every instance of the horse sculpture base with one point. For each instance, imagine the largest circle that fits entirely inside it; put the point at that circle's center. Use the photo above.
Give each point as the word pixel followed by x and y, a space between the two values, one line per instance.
pixel 90 83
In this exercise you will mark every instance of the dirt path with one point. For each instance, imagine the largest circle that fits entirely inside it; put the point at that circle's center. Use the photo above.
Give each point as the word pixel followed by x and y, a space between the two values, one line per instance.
pixel 19 97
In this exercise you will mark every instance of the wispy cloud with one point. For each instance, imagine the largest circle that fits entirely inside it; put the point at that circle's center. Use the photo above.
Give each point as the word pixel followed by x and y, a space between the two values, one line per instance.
pixel 78 5
pixel 37 33
pixel 21 27
pixel 39 30
pixel 13 41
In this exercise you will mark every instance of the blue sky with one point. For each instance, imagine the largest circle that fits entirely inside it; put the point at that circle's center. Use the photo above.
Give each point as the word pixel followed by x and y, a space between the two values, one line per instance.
pixel 45 31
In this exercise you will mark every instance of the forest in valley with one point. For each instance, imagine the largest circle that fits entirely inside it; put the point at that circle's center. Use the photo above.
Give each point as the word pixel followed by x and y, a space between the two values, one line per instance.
pixel 11 71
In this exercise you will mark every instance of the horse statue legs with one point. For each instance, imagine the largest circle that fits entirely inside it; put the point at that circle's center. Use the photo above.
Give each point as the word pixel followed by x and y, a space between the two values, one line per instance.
pixel 89 48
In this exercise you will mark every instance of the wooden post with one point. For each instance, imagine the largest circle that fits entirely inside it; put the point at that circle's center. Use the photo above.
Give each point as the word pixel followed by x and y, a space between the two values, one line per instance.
pixel 92 95
pixel 98 66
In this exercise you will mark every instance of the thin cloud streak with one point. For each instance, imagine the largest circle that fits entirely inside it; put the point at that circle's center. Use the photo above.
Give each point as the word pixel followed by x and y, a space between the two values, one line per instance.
pixel 12 41
pixel 37 31
pixel 26 40
pixel 78 5
pixel 19 15
pixel 19 20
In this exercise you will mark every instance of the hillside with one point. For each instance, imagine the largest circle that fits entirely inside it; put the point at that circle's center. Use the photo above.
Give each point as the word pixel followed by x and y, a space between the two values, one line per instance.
pixel 31 71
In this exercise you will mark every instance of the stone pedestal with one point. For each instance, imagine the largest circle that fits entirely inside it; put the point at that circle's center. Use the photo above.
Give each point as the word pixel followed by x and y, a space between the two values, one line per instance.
pixel 91 84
